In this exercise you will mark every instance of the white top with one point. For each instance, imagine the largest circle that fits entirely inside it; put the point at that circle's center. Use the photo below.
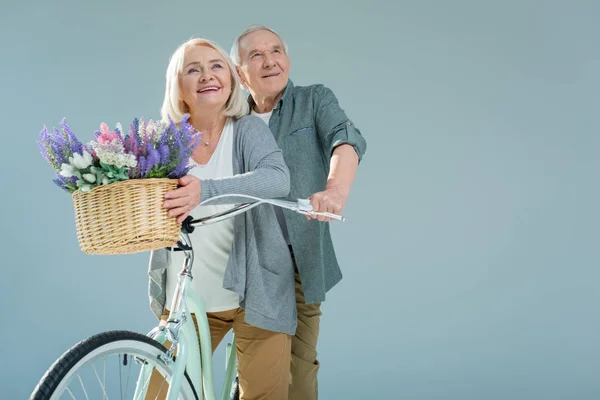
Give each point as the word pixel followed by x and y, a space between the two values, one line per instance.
pixel 264 116
pixel 212 243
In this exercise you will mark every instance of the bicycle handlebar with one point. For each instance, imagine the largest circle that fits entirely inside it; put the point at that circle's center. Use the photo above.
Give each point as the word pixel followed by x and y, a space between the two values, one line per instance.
pixel 301 206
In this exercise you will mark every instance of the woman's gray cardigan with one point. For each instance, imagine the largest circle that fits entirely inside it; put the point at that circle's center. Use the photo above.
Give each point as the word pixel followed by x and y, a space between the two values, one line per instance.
pixel 260 267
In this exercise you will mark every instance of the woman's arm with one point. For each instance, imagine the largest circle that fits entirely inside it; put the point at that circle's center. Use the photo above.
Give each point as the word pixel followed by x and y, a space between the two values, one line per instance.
pixel 265 173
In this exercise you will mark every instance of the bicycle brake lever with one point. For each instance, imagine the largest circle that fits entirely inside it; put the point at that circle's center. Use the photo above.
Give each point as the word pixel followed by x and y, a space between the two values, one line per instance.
pixel 304 207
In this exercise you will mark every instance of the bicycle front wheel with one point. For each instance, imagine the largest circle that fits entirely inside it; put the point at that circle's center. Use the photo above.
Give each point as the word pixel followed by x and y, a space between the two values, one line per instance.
pixel 111 365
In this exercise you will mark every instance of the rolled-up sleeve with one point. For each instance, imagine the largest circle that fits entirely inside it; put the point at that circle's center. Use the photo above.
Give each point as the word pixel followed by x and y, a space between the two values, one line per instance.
pixel 333 125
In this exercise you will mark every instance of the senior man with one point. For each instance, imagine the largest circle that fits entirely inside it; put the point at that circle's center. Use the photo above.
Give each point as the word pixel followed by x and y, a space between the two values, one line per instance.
pixel 322 149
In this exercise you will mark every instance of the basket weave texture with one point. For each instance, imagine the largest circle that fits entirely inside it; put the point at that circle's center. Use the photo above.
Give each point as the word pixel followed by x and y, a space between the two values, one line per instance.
pixel 125 217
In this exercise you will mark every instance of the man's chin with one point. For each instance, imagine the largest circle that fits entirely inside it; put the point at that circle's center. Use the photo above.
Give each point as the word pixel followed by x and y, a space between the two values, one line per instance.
pixel 273 88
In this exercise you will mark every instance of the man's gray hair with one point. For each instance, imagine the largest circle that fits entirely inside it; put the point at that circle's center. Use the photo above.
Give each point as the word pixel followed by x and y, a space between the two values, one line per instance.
pixel 235 49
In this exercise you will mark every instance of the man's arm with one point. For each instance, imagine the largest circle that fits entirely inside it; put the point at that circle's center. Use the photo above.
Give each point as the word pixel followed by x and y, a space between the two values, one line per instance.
pixel 346 145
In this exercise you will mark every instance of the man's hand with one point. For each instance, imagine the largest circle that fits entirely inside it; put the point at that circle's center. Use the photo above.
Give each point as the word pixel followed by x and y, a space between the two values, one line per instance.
pixel 344 162
pixel 331 200
pixel 181 201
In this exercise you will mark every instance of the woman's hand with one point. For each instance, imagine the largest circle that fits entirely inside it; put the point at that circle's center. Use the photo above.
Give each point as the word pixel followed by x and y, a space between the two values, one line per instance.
pixel 181 201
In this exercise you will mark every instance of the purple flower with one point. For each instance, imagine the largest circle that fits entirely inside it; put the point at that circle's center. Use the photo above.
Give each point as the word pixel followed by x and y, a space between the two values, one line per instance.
pixel 75 145
pixel 49 149
pixel 44 151
pixel 135 126
pixel 164 138
pixel 151 160
pixel 184 142
pixel 59 148
pixel 180 170
pixel 119 134
pixel 141 166
pixel 164 153
pixel 60 182
pixel 66 184
pixel 130 143
pixel 43 144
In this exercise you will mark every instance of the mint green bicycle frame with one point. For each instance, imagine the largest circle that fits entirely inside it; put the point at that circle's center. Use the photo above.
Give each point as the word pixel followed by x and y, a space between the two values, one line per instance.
pixel 180 331
pixel 190 356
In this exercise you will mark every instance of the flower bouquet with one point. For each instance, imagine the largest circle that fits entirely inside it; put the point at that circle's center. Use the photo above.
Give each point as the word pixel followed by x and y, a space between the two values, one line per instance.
pixel 118 182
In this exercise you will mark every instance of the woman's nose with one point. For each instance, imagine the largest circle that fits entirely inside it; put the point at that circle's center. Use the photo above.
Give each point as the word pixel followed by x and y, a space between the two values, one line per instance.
pixel 205 76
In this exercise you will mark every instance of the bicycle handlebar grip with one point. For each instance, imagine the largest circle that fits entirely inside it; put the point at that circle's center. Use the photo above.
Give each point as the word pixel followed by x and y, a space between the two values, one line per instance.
pixel 187 226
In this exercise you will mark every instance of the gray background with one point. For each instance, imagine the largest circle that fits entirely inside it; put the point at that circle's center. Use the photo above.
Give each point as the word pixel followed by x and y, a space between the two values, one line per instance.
pixel 469 250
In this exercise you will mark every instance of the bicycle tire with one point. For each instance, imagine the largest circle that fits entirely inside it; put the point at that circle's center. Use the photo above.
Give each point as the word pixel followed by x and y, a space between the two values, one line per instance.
pixel 67 364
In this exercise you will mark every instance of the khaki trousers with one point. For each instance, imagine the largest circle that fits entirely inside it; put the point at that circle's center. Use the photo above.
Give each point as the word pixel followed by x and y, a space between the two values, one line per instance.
pixel 304 365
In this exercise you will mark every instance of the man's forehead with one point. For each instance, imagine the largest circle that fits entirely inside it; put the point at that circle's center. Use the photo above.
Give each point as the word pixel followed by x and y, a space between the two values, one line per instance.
pixel 260 39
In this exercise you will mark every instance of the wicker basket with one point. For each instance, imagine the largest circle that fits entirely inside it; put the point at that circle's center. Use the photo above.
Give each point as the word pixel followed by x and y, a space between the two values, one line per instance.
pixel 125 217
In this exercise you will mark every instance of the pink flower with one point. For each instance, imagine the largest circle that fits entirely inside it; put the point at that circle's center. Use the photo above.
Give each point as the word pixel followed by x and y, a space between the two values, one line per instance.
pixel 106 136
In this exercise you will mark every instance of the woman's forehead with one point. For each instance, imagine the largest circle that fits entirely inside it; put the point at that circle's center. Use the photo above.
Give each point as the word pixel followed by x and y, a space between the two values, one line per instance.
pixel 201 52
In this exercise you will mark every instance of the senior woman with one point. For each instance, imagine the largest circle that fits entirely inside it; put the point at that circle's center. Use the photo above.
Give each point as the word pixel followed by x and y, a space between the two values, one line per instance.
pixel 243 272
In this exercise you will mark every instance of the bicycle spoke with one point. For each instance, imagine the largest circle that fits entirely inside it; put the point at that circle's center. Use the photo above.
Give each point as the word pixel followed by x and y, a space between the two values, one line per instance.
pixel 161 388
pixel 104 379
pixel 83 387
pixel 104 395
pixel 120 380
pixel 145 386
pixel 73 397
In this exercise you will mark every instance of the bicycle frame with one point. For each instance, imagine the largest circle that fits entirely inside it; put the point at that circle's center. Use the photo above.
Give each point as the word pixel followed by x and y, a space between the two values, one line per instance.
pixel 181 333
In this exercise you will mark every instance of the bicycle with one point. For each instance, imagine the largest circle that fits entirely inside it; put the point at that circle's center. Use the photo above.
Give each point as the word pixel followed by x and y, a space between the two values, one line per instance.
pixel 189 373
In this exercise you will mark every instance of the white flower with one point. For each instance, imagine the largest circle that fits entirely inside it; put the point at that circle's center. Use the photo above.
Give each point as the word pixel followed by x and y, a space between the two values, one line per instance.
pixel 105 180
pixel 85 188
pixel 88 157
pixel 118 159
pixel 150 127
pixel 66 170
pixel 89 177
pixel 161 127
pixel 79 161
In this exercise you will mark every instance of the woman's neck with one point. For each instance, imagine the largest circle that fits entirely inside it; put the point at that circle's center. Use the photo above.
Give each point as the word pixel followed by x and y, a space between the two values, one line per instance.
pixel 210 125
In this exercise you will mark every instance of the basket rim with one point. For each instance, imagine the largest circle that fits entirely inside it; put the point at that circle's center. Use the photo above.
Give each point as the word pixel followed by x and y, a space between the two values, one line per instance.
pixel 133 181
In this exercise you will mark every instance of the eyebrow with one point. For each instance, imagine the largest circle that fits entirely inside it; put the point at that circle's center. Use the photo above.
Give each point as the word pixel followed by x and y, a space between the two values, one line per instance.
pixel 214 60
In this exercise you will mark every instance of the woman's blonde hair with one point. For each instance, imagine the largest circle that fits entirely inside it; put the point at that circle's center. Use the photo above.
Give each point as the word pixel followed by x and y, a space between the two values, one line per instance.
pixel 172 107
